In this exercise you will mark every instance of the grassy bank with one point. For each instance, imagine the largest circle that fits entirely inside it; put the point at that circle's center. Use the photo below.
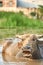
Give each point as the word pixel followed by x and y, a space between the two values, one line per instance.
pixel 17 23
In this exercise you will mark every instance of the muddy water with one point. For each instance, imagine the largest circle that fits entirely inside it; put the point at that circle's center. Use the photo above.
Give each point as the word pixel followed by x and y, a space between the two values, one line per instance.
pixel 7 60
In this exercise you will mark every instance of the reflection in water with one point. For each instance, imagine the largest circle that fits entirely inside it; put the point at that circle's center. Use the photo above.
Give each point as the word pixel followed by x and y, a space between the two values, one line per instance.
pixel 8 60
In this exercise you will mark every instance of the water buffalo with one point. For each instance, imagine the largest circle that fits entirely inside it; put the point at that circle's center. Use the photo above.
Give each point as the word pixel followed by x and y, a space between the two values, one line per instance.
pixel 37 47
pixel 11 47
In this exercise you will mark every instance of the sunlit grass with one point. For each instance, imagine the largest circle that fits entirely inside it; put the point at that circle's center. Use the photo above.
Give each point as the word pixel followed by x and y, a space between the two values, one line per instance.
pixel 16 23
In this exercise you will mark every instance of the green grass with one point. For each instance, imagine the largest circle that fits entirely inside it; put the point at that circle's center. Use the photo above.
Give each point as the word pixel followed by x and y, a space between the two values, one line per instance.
pixel 16 23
